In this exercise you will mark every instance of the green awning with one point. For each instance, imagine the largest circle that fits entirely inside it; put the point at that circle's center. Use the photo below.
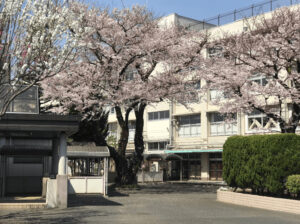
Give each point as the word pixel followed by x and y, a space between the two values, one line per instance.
pixel 193 150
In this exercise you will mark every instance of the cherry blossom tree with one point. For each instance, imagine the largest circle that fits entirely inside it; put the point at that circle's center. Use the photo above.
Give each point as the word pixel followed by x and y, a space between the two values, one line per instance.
pixel 259 69
pixel 127 62
pixel 33 45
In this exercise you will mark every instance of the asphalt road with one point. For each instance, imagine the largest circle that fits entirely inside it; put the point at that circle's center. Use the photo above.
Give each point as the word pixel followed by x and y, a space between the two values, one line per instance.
pixel 161 204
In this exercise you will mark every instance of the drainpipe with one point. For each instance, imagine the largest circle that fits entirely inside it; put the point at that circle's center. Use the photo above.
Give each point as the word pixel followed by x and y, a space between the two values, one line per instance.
pixel 171 131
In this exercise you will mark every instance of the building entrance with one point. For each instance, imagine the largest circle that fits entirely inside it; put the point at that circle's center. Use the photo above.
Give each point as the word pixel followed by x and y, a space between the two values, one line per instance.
pixel 191 166
pixel 215 166
pixel 191 169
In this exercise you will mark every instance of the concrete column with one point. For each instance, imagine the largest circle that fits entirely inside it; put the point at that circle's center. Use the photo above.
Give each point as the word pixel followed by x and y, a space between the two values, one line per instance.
pixel 62 178
pixel 62 191
pixel 205 166
pixel 204 125
pixel 62 162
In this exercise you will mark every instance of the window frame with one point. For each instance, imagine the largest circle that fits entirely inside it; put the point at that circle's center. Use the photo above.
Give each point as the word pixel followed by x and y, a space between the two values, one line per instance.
pixel 131 130
pixel 222 123
pixel 260 78
pixel 189 126
pixel 261 116
pixel 111 131
pixel 158 146
pixel 156 115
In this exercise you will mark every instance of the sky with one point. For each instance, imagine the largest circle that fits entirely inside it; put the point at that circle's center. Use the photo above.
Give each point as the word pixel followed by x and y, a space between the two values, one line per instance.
pixel 196 9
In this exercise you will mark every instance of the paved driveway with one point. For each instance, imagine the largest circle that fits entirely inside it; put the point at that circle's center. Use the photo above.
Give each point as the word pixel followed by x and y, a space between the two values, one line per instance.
pixel 152 204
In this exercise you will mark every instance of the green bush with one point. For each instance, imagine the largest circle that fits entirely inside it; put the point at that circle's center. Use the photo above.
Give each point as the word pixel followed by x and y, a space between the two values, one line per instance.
pixel 261 162
pixel 293 184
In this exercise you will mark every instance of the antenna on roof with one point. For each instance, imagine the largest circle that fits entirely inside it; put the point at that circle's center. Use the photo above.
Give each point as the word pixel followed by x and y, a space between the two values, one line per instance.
pixel 123 4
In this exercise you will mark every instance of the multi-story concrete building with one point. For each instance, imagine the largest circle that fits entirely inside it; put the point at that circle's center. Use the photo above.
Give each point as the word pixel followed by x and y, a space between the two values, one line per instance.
pixel 187 143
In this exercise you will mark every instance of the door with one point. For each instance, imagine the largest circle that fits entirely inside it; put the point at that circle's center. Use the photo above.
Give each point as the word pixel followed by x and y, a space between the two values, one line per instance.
pixel 195 168
pixel 175 170
pixel 215 170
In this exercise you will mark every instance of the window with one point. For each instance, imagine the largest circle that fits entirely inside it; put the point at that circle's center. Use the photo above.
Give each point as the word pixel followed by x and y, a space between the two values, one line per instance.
pixel 261 80
pixel 112 129
pixel 157 145
pixel 159 115
pixel 258 121
pixel 191 89
pixel 245 28
pixel 218 125
pixel 189 126
pixel 131 129
pixel 215 156
pixel 112 110
pixel 129 75
pixel 26 102
pixel 218 95
pixel 215 51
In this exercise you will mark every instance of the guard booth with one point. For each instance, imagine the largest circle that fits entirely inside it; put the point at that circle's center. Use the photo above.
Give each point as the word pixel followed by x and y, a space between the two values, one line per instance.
pixel 87 168
pixel 33 150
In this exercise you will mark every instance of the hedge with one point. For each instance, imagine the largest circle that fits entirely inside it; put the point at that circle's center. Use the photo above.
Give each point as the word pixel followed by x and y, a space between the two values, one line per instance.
pixel 293 184
pixel 261 162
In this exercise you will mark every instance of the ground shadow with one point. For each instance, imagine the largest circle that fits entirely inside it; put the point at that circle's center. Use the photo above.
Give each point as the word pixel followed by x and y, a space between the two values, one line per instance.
pixel 49 216
pixel 78 200
pixel 113 192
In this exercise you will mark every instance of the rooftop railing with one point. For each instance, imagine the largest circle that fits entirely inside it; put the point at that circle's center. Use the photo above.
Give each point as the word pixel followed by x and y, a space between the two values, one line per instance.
pixel 253 10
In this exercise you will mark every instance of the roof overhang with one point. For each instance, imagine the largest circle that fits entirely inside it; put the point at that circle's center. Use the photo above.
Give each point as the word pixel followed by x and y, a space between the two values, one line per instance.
pixel 38 125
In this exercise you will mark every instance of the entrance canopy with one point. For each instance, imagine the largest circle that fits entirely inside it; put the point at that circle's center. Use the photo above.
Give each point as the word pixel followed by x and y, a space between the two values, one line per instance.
pixel 172 156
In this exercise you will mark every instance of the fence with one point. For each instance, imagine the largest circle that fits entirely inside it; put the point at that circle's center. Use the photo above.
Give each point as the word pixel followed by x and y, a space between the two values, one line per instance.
pixel 253 10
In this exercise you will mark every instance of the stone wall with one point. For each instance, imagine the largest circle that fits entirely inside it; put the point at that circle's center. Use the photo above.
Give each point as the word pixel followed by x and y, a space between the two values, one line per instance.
pixel 256 201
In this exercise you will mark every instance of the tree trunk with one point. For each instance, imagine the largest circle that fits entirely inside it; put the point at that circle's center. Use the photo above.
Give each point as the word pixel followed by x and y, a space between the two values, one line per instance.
pixel 138 138
pixel 291 125
pixel 288 129
pixel 127 167
pixel 124 176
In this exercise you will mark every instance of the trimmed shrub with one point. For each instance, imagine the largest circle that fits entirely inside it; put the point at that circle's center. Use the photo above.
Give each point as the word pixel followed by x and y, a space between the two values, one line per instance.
pixel 261 162
pixel 293 184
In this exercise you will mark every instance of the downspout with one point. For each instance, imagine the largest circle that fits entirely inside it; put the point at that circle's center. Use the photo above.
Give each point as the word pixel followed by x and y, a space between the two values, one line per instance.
pixel 171 131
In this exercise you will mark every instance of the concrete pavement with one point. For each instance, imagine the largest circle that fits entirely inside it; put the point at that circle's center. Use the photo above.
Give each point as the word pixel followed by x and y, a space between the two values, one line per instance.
pixel 161 204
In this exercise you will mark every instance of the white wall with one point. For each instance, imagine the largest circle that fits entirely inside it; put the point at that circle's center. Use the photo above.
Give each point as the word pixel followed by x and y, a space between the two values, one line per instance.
pixel 85 185
pixel 158 130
